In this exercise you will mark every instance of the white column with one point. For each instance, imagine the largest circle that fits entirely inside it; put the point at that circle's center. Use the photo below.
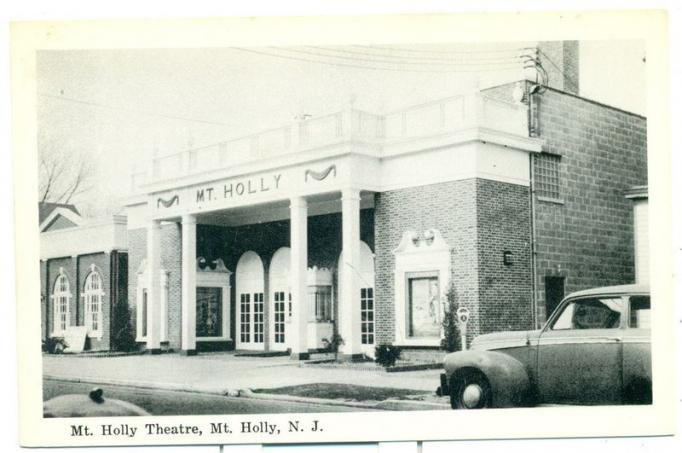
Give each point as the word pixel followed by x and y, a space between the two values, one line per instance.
pixel 226 309
pixel 154 288
pixel 298 275
pixel 349 303
pixel 189 284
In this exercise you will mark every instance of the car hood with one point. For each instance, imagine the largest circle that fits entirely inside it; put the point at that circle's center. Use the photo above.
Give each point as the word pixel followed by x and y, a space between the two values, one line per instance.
pixel 502 340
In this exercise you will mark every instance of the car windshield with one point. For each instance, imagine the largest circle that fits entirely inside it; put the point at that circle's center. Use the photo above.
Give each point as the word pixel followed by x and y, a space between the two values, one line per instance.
pixel 590 313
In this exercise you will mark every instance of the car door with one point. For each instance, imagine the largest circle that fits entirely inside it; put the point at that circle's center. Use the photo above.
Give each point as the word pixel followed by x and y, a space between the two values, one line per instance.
pixel 637 352
pixel 580 352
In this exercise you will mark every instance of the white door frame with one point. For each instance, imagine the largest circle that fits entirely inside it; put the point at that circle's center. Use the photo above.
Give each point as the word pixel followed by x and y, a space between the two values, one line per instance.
pixel 249 279
pixel 367 280
pixel 279 282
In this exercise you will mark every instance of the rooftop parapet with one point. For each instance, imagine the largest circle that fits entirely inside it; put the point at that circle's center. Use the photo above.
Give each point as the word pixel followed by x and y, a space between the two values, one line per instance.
pixel 436 118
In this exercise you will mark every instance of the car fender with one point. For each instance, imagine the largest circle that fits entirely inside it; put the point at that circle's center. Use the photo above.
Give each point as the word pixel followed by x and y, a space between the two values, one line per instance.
pixel 508 378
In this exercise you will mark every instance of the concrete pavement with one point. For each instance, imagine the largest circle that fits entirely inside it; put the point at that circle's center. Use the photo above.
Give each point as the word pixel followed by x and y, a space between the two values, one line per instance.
pixel 222 373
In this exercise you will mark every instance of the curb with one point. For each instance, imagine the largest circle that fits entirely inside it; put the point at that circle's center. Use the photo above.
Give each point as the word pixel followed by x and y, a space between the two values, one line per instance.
pixel 410 405
pixel 390 404
pixel 415 367
pixel 247 393
pixel 143 385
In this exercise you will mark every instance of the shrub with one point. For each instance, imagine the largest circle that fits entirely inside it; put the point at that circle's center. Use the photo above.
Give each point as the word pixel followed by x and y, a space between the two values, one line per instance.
pixel 451 336
pixel 386 354
pixel 335 342
pixel 123 338
pixel 54 345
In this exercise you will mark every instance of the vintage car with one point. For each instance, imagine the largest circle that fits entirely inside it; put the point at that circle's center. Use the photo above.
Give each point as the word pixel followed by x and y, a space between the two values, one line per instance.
pixel 594 349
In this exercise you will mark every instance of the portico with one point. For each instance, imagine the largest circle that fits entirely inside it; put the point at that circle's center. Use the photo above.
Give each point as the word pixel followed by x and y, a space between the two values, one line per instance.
pixel 266 318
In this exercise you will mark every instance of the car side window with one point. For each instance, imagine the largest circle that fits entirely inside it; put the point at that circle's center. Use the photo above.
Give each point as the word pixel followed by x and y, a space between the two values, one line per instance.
pixel 590 313
pixel 640 312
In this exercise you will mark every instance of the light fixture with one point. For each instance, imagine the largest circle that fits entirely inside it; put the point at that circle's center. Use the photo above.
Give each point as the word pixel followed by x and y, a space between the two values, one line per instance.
pixel 508 258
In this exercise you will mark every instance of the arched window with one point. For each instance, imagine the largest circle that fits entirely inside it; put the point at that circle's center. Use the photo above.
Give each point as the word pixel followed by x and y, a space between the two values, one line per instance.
pixel 61 296
pixel 92 300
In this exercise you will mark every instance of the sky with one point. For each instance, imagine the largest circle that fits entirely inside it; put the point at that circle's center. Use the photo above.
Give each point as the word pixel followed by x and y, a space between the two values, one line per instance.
pixel 118 108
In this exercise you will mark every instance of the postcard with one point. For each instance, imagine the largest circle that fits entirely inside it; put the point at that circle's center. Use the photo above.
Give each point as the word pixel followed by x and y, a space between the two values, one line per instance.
pixel 343 229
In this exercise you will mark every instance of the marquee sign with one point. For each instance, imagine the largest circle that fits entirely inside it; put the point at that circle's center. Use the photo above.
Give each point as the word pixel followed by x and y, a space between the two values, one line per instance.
pixel 246 187
pixel 252 189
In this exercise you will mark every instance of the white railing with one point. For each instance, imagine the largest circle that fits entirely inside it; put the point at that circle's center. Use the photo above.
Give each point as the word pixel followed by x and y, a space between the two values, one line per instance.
pixel 426 119
pixel 504 116
pixel 432 118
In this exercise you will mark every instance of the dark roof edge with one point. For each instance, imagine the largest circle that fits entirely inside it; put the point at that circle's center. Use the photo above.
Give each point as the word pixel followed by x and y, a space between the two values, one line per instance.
pixel 601 104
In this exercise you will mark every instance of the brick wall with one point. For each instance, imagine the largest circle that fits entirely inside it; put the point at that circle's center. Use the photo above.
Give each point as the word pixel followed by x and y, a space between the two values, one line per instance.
pixel 588 238
pixel 171 262
pixel 505 291
pixel 448 207
pixel 479 219
pixel 77 270
pixel 561 61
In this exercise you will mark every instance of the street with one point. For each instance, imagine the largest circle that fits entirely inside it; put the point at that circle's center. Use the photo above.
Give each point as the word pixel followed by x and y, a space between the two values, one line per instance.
pixel 165 402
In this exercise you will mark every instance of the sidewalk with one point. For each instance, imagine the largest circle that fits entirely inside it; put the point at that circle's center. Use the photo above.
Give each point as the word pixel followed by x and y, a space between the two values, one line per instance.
pixel 222 373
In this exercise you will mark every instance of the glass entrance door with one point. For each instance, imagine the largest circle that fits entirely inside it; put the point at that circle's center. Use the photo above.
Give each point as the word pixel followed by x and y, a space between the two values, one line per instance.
pixel 279 313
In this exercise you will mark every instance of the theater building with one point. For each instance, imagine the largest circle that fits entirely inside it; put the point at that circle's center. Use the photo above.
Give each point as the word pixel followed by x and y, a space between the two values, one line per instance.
pixel 358 224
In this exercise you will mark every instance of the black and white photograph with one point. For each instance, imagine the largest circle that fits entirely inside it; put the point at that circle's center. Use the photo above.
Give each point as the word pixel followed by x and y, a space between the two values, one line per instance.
pixel 253 240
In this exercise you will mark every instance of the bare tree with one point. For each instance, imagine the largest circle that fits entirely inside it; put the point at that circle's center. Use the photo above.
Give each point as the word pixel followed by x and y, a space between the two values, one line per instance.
pixel 63 176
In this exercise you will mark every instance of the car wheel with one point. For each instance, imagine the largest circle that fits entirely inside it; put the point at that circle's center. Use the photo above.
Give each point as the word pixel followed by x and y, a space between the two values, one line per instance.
pixel 470 390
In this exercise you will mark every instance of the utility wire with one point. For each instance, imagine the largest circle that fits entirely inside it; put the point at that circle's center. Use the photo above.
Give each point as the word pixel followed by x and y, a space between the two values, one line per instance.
pixel 442 52
pixel 388 61
pixel 358 66
pixel 428 60
pixel 129 110
pixel 570 79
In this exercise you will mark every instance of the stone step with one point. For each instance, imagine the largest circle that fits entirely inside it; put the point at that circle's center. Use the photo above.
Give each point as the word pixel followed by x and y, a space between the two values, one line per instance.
pixel 423 355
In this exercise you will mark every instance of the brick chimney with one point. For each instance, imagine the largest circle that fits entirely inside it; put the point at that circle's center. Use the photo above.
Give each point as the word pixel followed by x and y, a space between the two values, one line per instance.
pixel 561 60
